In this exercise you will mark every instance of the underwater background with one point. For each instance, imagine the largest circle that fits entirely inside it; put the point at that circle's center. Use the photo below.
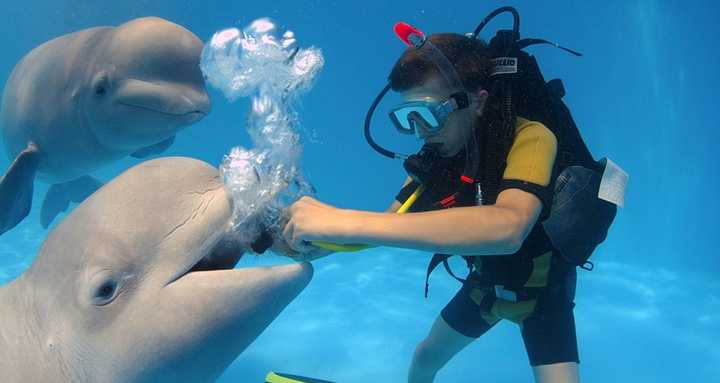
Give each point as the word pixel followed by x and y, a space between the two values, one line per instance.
pixel 643 94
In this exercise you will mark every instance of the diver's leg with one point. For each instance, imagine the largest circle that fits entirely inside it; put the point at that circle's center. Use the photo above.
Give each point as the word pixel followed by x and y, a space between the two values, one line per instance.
pixel 460 322
pixel 549 332
pixel 441 344
pixel 566 372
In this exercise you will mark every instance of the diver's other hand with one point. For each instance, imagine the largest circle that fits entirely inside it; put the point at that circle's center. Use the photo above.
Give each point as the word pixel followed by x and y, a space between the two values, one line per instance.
pixel 281 247
pixel 311 220
pixel 312 255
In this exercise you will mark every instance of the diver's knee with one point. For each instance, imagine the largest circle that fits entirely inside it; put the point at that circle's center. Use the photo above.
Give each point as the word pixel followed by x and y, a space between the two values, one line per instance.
pixel 565 372
pixel 426 356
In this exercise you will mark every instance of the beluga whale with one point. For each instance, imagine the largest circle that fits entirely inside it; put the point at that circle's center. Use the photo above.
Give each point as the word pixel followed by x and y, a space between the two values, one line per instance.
pixel 85 99
pixel 137 284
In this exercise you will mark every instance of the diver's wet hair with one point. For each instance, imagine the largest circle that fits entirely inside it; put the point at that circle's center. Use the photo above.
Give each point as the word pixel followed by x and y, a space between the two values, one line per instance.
pixel 469 56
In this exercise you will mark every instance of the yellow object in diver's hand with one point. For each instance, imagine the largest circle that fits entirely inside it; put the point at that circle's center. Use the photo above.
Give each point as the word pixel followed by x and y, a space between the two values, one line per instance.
pixel 277 377
pixel 357 247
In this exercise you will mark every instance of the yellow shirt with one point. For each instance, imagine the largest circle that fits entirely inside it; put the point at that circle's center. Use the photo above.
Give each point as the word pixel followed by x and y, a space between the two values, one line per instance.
pixel 528 167
pixel 532 155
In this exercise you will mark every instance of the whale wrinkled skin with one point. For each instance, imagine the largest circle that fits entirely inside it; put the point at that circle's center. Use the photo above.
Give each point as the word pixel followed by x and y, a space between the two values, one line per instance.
pixel 122 289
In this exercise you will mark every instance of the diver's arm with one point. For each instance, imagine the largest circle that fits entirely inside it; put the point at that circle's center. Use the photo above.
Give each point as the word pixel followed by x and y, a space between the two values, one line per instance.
pixel 477 230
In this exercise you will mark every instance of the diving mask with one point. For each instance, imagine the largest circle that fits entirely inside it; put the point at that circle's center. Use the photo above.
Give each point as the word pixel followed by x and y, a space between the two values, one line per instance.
pixel 424 118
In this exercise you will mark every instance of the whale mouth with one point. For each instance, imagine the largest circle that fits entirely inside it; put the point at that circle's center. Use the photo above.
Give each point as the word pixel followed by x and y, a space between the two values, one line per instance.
pixel 223 256
pixel 193 114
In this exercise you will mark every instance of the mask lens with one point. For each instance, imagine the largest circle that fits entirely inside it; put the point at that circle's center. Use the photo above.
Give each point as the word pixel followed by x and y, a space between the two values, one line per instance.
pixel 405 118
pixel 428 116
pixel 399 118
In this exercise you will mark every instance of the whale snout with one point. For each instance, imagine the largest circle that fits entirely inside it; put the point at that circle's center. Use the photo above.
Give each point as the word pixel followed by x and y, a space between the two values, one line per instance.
pixel 165 99
pixel 197 105
pixel 196 100
pixel 296 276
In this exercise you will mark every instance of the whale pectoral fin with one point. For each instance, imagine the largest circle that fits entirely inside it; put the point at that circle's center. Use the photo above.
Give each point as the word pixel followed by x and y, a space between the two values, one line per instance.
pixel 59 196
pixel 16 188
pixel 153 149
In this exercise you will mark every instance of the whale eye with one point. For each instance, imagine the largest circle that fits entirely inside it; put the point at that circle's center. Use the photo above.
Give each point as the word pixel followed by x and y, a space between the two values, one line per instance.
pixel 101 84
pixel 105 292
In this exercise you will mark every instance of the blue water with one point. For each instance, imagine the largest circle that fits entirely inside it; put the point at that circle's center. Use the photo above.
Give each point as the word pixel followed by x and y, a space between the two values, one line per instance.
pixel 643 94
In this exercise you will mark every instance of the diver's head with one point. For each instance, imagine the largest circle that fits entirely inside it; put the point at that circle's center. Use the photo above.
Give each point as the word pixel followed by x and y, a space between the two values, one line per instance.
pixel 425 90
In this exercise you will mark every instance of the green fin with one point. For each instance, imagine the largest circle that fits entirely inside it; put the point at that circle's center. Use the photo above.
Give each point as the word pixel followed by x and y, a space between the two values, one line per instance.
pixel 277 377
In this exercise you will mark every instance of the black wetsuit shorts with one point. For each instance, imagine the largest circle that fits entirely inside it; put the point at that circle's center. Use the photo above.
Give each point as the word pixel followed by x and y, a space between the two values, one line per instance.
pixel 547 326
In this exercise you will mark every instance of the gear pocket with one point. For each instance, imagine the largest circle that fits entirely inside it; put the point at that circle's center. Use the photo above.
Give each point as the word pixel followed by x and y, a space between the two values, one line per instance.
pixel 578 220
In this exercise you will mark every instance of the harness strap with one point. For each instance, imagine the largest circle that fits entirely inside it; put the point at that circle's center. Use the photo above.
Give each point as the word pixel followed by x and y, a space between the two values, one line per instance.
pixel 434 262
pixel 524 43
pixel 442 258
pixel 523 293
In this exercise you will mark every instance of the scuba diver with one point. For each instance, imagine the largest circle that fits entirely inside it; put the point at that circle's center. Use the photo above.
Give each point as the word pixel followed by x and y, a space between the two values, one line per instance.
pixel 503 180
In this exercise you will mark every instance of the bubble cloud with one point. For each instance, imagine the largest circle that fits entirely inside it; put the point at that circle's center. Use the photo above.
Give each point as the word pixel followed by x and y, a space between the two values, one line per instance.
pixel 268 66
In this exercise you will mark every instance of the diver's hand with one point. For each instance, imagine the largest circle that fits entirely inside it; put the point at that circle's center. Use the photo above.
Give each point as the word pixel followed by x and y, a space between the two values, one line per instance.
pixel 280 247
pixel 311 220
pixel 312 255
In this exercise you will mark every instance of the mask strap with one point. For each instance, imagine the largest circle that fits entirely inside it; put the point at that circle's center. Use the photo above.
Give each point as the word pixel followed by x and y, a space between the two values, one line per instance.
pixel 415 38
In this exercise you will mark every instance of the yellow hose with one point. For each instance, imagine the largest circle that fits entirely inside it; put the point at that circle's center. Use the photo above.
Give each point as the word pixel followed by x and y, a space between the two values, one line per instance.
pixel 349 248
